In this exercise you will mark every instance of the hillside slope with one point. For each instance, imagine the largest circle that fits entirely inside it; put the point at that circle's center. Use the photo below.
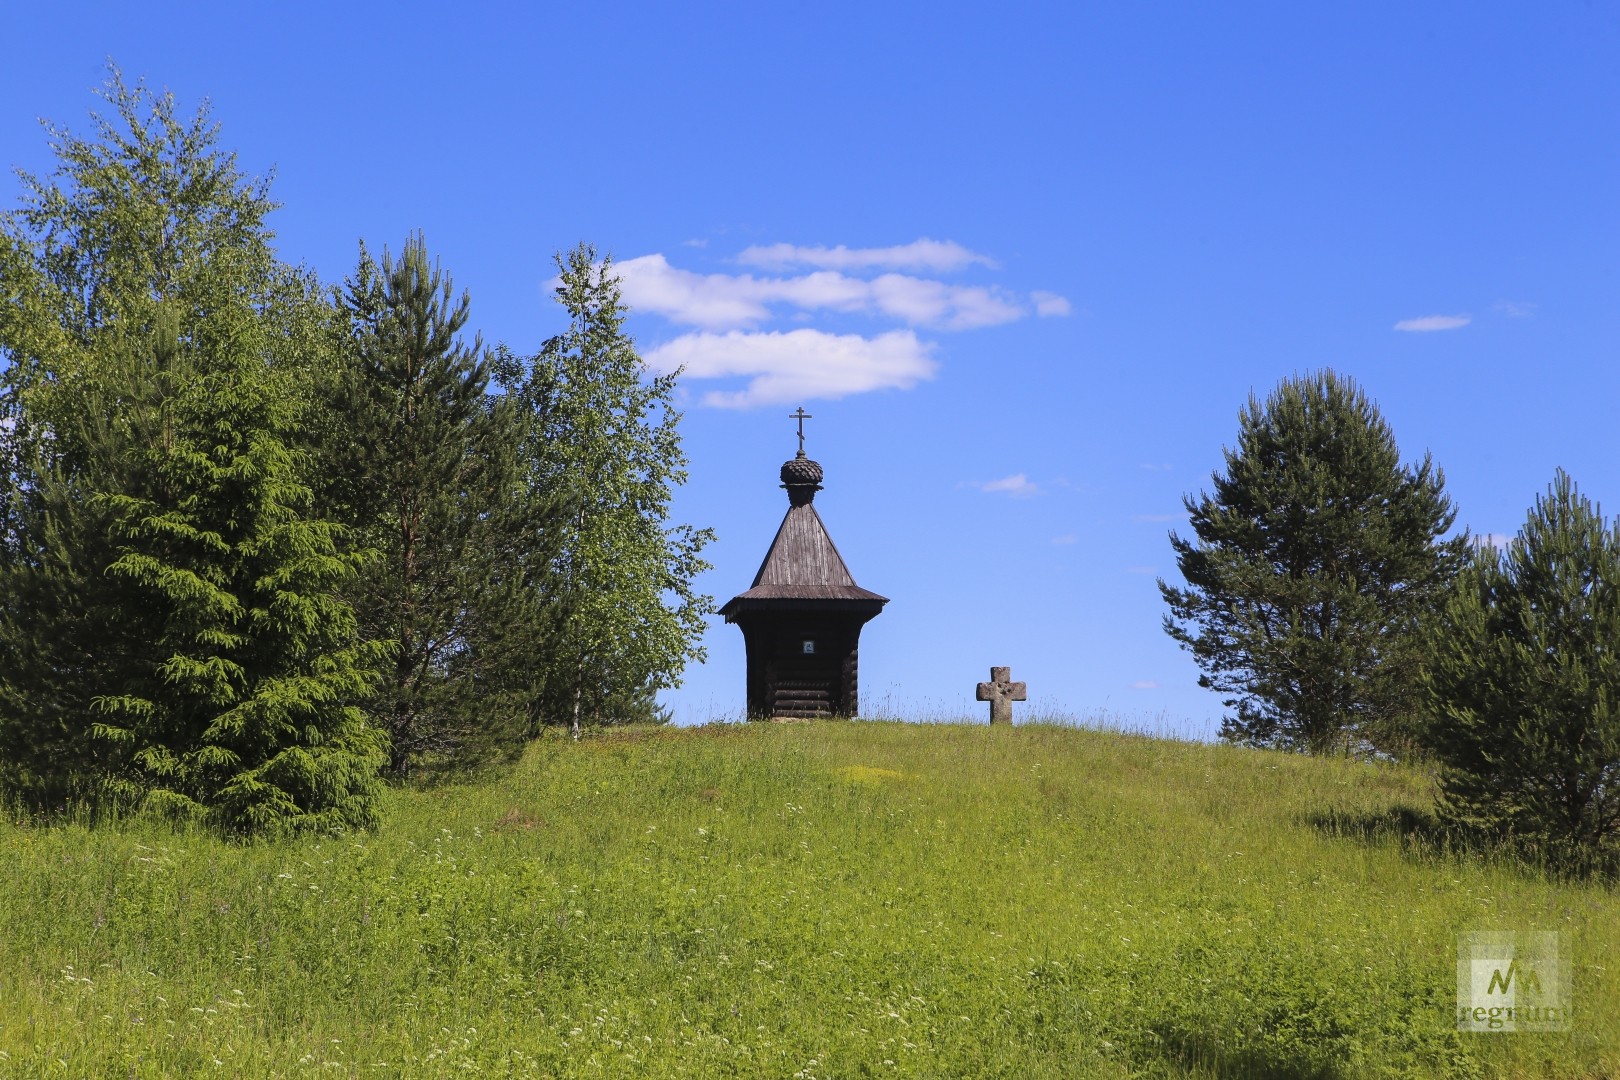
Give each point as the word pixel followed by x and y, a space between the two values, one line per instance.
pixel 809 900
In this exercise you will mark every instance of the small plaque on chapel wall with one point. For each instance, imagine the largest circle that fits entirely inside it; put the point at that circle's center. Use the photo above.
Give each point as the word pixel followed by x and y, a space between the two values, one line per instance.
pixel 809 647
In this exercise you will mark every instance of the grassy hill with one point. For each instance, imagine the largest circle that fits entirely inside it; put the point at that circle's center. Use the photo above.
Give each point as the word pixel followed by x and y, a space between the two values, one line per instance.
pixel 813 900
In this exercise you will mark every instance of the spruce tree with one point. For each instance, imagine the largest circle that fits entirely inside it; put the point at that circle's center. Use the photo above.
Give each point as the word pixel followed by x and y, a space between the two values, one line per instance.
pixel 68 630
pixel 208 666
pixel 1524 686
pixel 251 715
pixel 605 432
pixel 1316 556
pixel 426 466
pixel 168 627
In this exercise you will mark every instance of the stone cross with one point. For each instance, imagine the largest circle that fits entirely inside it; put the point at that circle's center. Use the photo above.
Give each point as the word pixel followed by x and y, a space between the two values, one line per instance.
pixel 1001 693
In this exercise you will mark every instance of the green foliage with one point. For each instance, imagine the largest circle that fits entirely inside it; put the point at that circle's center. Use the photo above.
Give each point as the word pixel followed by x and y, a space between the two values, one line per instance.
pixel 842 900
pixel 97 250
pixel 206 666
pixel 68 630
pixel 427 468
pixel 151 209
pixel 249 716
pixel 1525 686
pixel 1316 557
pixel 525 569
pixel 149 215
pixel 168 630
pixel 605 433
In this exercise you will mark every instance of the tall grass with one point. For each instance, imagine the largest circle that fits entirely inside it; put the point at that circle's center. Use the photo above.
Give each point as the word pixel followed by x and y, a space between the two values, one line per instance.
pixel 807 900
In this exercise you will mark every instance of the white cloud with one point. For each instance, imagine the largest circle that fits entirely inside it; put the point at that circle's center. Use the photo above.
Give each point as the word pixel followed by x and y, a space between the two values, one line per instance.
pixel 924 254
pixel 783 367
pixel 729 311
pixel 1048 304
pixel 1430 323
pixel 933 303
pixel 741 301
pixel 1017 485
pixel 1144 684
pixel 649 283
pixel 1499 541
pixel 1514 309
pixel 1066 538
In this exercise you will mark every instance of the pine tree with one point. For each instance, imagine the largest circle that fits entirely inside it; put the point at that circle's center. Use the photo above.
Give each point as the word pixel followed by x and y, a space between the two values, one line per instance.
pixel 1524 686
pixel 427 467
pixel 1316 555
pixel 606 434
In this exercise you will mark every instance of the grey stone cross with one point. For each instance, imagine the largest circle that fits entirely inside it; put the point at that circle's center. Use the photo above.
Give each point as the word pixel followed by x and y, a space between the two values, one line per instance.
pixel 1001 693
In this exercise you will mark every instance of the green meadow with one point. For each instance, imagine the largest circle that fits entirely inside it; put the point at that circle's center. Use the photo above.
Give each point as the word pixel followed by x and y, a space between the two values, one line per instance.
pixel 828 899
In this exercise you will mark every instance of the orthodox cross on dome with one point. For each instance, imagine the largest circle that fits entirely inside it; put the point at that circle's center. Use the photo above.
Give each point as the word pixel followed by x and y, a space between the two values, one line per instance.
pixel 801 416
pixel 1001 692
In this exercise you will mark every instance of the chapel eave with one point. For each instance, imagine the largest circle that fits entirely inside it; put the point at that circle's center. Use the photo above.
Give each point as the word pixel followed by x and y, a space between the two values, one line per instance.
pixel 852 600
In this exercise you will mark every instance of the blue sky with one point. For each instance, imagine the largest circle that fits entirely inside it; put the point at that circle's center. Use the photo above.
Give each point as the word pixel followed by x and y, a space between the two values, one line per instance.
pixel 1023 263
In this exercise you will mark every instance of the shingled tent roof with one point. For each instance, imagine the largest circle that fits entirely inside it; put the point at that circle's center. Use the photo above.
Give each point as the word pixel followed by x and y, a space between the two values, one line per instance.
pixel 803 564
pixel 803 568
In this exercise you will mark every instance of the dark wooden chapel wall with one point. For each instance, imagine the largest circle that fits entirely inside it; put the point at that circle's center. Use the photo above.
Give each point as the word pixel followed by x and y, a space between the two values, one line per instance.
pixel 784 682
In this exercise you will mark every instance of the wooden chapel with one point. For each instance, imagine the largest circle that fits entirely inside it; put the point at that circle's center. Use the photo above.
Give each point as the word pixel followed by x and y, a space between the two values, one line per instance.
pixel 801 619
